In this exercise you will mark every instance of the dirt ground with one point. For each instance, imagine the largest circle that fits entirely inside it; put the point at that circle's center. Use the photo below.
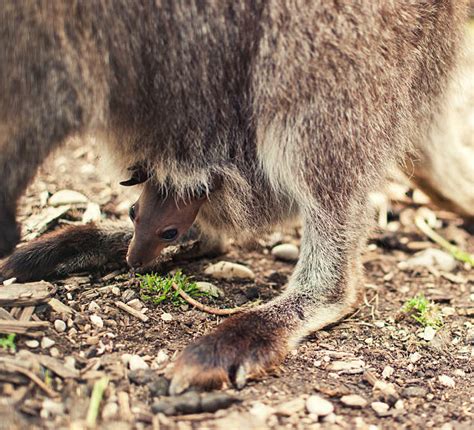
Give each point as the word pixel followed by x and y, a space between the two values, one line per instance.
pixel 378 353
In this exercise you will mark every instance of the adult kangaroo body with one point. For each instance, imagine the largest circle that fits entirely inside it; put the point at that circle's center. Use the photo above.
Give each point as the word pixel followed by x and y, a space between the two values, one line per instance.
pixel 266 105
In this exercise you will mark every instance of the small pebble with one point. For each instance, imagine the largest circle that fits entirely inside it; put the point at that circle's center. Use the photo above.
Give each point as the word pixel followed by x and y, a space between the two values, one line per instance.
pixel 128 295
pixel 415 357
pixel 161 358
pixel 136 362
pixel 319 406
pixel 51 407
pixel 331 418
pixel 32 343
pixel 8 282
pixel 54 352
pixel 70 362
pixel 380 408
pixel 291 407
pixel 92 213
pixel 286 252
pixel 136 304
pixel 448 311
pixel 97 321
pixel 387 390
pixel 431 258
pixel 346 365
pixel 227 270
pixel 92 340
pixel 399 405
pixel 93 306
pixel 354 400
pixel 211 289
pixel 110 411
pixel 429 333
pixel 167 317
pixel 447 381
pixel 261 411
pixel 60 326
pixel 387 372
pixel 414 391
pixel 46 342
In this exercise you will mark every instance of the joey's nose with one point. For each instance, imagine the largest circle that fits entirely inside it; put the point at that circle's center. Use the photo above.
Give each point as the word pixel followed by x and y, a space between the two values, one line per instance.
pixel 134 262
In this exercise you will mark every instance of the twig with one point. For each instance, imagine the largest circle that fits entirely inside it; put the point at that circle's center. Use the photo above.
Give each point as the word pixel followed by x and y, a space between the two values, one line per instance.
pixel 209 309
pixel 96 397
pixel 137 314
pixel 26 313
pixel 124 404
pixel 20 327
pixel 13 368
pixel 422 221
pixel 5 315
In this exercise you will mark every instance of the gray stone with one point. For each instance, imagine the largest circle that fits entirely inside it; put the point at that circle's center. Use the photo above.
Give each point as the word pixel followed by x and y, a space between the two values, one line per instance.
pixel 286 252
pixel 66 197
pixel 319 406
pixel 227 270
pixel 354 400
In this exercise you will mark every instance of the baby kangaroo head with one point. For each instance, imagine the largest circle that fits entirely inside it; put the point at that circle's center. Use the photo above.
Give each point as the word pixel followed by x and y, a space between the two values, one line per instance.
pixel 160 220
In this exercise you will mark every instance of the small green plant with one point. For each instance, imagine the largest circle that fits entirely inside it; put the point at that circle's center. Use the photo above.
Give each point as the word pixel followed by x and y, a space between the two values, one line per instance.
pixel 158 289
pixel 8 342
pixel 423 311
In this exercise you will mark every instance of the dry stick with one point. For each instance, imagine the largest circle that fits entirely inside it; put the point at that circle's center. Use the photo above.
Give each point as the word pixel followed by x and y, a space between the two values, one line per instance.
pixel 205 308
pixel 21 327
pixel 12 368
pixel 137 314
pixel 422 220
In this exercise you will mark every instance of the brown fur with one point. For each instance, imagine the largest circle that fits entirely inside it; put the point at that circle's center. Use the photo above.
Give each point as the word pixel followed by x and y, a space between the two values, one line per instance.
pixel 292 106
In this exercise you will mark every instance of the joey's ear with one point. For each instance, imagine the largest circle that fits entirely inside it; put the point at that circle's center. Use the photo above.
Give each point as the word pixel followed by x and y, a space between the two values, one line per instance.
pixel 139 176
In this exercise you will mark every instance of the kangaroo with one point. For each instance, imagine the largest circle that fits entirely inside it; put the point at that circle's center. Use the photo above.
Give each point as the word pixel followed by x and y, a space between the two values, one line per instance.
pixel 291 105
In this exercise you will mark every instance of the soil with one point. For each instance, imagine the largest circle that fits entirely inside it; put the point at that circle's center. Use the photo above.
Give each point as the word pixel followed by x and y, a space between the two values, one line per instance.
pixel 384 355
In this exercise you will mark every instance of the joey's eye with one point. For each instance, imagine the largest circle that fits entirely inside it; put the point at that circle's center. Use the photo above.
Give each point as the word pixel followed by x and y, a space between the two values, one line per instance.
pixel 132 212
pixel 169 234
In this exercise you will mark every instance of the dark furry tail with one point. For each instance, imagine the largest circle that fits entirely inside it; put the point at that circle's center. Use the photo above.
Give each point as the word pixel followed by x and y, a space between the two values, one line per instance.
pixel 69 250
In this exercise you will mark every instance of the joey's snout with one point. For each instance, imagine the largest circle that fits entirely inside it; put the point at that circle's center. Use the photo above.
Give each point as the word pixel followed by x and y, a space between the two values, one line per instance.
pixel 142 253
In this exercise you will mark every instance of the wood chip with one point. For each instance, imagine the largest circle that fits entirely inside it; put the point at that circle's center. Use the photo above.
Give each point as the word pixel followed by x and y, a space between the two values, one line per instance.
pixel 27 313
pixel 124 404
pixel 60 308
pixel 370 377
pixel 39 223
pixel 5 315
pixel 20 327
pixel 137 314
pixel 27 294
pixel 58 367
